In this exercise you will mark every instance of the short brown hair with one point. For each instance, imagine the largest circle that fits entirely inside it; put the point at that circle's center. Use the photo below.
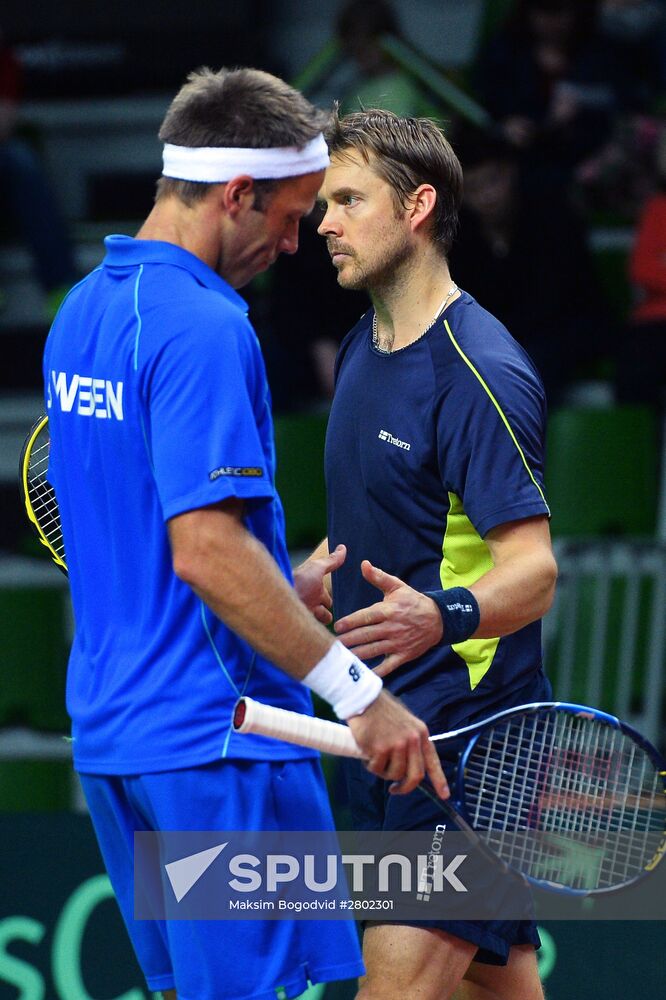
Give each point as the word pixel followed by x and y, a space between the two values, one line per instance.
pixel 406 152
pixel 236 108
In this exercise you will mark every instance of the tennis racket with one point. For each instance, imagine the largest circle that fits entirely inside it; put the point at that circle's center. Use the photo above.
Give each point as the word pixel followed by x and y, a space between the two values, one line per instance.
pixel 567 796
pixel 38 495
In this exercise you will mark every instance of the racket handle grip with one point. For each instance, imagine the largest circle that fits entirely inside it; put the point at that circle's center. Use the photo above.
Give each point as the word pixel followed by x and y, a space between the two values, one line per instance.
pixel 266 720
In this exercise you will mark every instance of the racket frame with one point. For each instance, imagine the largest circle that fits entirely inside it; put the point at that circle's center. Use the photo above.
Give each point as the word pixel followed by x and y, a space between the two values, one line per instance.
pixel 24 463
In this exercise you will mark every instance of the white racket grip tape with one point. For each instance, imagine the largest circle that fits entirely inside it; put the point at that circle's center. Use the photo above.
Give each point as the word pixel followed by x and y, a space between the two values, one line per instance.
pixel 266 720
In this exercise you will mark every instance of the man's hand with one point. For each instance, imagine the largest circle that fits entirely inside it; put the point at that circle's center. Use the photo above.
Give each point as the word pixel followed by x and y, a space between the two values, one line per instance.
pixel 310 585
pixel 402 626
pixel 397 747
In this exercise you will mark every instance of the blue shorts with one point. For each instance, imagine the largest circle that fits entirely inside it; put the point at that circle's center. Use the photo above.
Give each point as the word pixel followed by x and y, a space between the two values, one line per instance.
pixel 373 808
pixel 208 959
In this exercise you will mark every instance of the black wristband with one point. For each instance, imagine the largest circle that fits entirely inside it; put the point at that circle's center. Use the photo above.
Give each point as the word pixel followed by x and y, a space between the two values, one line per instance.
pixel 460 613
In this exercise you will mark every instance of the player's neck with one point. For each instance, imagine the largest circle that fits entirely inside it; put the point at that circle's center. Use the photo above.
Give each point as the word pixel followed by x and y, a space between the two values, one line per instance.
pixel 170 221
pixel 408 304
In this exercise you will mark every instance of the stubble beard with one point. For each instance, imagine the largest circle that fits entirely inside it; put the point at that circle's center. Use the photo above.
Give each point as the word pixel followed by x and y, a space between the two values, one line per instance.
pixel 379 273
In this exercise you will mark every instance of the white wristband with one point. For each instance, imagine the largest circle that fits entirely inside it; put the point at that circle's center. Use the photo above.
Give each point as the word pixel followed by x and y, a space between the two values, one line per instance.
pixel 344 681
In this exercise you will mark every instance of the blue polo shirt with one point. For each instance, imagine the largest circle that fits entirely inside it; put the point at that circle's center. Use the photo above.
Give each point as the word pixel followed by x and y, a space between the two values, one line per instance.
pixel 428 448
pixel 158 404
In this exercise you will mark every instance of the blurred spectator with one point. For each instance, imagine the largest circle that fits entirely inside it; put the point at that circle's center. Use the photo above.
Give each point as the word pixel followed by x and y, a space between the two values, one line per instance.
pixel 641 363
pixel 615 182
pixel 552 85
pixel 613 185
pixel 360 26
pixel 29 200
pixel 526 259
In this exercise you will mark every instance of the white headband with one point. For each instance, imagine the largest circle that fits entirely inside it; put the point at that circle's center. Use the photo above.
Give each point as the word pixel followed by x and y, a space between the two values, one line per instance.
pixel 215 165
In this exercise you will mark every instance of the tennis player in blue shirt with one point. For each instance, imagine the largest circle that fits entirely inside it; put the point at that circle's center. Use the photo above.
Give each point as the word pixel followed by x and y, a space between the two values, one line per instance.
pixel 434 469
pixel 162 461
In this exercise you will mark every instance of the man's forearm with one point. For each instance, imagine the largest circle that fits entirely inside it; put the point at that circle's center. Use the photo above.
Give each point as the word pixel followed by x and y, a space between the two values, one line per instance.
pixel 240 582
pixel 520 587
pixel 514 594
pixel 517 590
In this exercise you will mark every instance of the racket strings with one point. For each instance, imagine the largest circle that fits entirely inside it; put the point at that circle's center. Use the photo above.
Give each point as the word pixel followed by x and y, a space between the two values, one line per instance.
pixel 566 798
pixel 41 495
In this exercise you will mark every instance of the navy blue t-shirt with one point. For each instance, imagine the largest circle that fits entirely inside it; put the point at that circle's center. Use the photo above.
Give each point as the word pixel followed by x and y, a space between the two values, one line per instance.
pixel 158 404
pixel 427 449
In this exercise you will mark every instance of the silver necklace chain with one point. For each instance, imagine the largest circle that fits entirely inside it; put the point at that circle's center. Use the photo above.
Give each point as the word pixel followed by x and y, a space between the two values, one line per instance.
pixel 375 334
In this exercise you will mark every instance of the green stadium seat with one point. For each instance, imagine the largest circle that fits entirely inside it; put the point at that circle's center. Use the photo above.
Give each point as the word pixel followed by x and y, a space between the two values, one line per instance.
pixel 299 446
pixel 601 471
pixel 611 264
pixel 35 650
pixel 35 786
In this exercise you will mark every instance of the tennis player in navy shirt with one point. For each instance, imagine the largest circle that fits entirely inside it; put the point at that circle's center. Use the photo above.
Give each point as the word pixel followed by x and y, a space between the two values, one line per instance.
pixel 434 471
pixel 162 461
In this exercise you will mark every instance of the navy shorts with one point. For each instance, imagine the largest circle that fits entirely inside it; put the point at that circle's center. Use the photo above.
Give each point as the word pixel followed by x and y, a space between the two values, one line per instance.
pixel 373 808
pixel 209 959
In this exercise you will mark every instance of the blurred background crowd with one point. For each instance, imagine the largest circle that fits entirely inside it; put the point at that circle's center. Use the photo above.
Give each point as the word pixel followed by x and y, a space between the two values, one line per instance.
pixel 557 109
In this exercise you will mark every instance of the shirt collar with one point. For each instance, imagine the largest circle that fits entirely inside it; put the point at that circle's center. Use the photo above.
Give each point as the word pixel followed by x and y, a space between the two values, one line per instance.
pixel 124 251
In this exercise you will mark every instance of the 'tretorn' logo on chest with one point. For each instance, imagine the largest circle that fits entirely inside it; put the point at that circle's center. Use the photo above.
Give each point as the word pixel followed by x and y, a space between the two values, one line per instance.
pixel 385 436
